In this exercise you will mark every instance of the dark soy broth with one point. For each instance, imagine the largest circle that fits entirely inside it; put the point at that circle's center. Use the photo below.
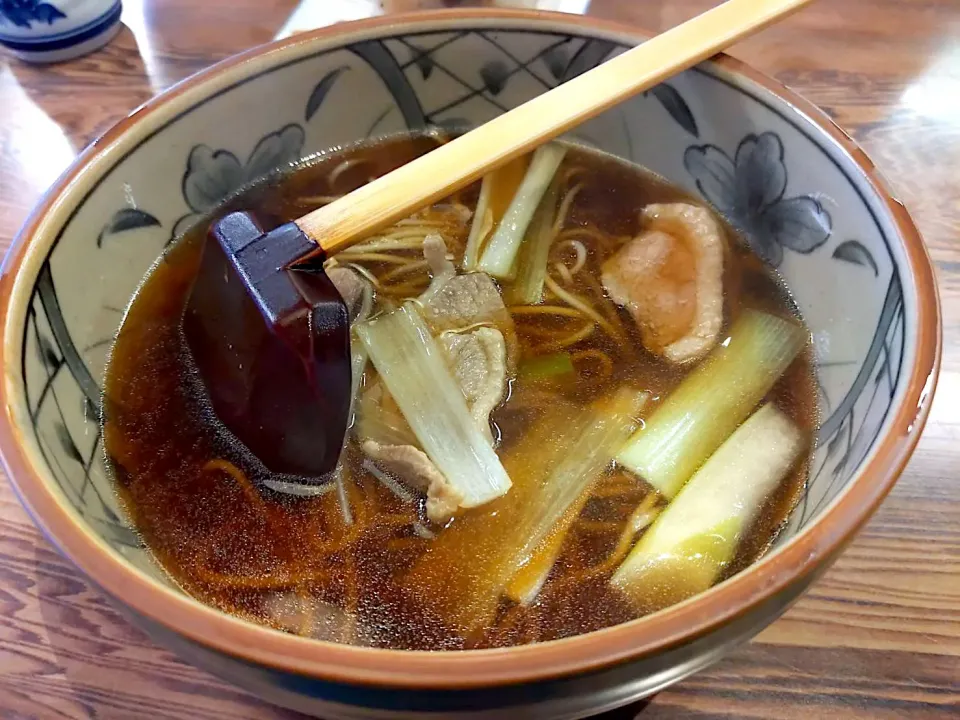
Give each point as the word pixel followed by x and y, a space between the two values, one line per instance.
pixel 303 564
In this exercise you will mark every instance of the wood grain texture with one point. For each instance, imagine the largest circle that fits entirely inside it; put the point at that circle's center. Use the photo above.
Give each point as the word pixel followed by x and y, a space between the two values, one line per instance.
pixel 877 637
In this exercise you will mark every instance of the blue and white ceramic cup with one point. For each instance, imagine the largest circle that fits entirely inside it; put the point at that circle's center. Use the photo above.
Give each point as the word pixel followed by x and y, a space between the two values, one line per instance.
pixel 57 30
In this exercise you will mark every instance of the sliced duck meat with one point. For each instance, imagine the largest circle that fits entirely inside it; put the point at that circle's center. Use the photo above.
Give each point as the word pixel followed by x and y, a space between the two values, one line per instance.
pixel 412 467
pixel 479 362
pixel 670 279
pixel 460 302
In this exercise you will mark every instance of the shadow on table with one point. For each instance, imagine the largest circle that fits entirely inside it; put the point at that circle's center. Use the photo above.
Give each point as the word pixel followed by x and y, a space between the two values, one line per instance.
pixel 86 96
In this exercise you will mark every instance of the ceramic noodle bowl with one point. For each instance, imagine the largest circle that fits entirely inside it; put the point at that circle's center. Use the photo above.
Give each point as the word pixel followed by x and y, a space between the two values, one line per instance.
pixel 802 194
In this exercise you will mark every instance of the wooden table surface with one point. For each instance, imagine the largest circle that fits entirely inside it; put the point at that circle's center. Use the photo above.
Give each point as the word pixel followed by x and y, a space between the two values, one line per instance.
pixel 878 637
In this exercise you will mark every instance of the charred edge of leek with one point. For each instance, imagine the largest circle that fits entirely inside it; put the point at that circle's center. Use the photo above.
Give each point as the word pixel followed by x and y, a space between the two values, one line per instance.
pixel 567 488
pixel 712 401
pixel 500 256
pixel 412 367
pixel 527 288
pixel 696 536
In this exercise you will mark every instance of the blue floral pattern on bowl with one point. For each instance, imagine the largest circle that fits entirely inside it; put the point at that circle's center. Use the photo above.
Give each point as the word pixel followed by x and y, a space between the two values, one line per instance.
pixel 749 190
pixel 214 175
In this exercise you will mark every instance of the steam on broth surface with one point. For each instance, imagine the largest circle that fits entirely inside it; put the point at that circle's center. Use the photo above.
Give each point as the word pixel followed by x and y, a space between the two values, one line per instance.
pixel 571 366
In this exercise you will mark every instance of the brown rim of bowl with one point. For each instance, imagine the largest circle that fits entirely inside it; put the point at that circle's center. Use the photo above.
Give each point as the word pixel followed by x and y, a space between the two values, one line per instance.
pixel 479 668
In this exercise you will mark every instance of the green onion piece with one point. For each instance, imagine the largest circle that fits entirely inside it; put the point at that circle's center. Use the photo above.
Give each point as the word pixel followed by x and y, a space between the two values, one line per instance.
pixel 526 584
pixel 496 193
pixel 527 288
pixel 695 537
pixel 466 570
pixel 500 256
pixel 412 367
pixel 567 489
pixel 603 431
pixel 712 401
pixel 546 366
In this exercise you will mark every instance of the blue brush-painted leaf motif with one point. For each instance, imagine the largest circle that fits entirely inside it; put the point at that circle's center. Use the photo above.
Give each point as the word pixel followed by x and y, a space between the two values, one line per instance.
pixel 556 60
pixel 22 13
pixel 590 54
pixel 676 107
pixel 213 175
pixel 124 220
pixel 48 356
pixel 274 151
pixel 749 190
pixel 853 251
pixel 321 90
pixel 494 75
pixel 424 62
pixel 67 443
